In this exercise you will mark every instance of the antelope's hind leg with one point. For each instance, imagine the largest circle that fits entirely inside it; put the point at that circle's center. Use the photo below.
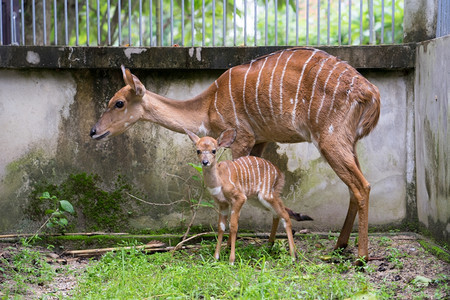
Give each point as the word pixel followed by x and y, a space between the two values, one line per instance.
pixel 273 231
pixel 345 163
pixel 285 219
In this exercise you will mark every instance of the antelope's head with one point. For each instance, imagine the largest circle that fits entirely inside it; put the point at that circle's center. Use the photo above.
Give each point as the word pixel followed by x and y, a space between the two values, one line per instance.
pixel 124 109
pixel 207 146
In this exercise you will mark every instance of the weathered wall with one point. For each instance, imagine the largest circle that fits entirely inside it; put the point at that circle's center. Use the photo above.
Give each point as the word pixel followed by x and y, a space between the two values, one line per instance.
pixel 46 117
pixel 432 120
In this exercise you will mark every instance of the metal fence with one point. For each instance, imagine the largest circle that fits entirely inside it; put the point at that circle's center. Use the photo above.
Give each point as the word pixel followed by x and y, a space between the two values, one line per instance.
pixel 200 22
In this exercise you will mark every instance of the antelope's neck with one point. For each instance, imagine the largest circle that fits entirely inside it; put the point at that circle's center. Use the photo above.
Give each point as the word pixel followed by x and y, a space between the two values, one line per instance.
pixel 178 115
pixel 211 177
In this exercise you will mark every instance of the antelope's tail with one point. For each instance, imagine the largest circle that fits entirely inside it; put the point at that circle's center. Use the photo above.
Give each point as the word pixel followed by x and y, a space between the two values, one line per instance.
pixel 298 216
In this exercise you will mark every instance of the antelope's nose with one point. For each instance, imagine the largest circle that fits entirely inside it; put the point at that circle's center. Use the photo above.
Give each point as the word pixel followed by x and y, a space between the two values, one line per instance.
pixel 93 132
pixel 205 162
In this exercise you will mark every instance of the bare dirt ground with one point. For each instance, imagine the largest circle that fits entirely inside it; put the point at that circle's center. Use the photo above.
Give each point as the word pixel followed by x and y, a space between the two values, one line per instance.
pixel 402 264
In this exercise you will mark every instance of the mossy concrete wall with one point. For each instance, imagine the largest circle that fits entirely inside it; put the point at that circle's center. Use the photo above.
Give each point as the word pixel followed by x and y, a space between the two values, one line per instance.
pixel 46 116
pixel 432 119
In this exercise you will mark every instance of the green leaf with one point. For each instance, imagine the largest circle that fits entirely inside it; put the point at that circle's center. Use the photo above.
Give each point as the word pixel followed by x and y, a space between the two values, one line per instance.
pixel 63 222
pixel 198 167
pixel 45 195
pixel 57 214
pixel 66 206
pixel 207 204
pixel 49 211
pixel 196 178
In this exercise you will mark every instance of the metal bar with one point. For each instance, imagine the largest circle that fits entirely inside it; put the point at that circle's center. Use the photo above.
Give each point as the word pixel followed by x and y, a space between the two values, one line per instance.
pixel 87 22
pixel 45 22
pixel 296 22
pixel 119 22
pixel 224 21
pixel 55 20
pixel 98 23
pixel 234 22
pixel 66 26
pixel 34 20
pixel 108 13
pixel 129 22
pixel 22 16
pixel 255 25
pixel 203 23
pixel 11 21
pixel 161 28
pixel 339 23
pixel 14 40
pixel 150 21
pixel 266 23
pixel 318 22
pixel 328 22
pixel 349 22
pixel 140 23
pixel 371 35
pixel 1 23
pixel 382 22
pixel 307 22
pixel 276 22
pixel 287 22
pixel 393 21
pixel 213 22
pixel 77 32
pixel 171 22
pixel 360 22
pixel 182 22
pixel 192 22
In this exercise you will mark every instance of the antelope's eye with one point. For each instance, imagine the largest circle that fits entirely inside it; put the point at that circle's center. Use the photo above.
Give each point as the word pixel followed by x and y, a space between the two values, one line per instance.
pixel 119 104
pixel 214 151
pixel 198 151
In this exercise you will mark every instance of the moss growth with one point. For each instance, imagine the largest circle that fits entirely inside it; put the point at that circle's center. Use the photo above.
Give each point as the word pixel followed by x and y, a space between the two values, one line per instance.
pixel 435 250
pixel 95 208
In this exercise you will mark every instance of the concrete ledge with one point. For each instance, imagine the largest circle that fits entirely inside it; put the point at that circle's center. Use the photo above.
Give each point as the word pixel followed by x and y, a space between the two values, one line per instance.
pixel 390 57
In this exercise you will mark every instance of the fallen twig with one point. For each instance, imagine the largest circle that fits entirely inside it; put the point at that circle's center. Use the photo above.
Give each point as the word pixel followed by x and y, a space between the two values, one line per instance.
pixel 188 239
pixel 101 251
pixel 156 204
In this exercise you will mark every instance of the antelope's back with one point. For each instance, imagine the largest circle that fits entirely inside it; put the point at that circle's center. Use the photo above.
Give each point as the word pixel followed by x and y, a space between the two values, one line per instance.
pixel 298 93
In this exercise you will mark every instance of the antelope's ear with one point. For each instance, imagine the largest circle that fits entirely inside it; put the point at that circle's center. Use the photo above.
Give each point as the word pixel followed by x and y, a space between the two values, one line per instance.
pixel 227 138
pixel 194 138
pixel 133 81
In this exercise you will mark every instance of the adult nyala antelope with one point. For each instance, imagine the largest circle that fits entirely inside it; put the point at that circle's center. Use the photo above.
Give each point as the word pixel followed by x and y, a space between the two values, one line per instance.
pixel 232 182
pixel 290 96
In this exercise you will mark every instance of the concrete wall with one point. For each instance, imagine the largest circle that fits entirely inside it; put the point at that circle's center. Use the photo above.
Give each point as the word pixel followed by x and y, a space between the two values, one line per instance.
pixel 432 120
pixel 46 116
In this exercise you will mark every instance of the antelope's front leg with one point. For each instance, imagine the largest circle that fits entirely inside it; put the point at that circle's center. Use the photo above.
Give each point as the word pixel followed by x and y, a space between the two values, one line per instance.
pixel 234 221
pixel 223 216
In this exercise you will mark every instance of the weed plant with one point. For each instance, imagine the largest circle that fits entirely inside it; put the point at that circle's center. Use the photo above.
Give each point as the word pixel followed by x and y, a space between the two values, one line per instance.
pixel 25 266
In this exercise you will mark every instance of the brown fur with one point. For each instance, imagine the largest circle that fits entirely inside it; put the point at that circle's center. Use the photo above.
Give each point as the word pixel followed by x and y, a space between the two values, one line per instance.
pixel 290 96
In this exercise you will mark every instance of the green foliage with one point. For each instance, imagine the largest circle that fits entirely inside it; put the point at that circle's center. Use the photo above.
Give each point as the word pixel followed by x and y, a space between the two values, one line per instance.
pixel 258 273
pixel 201 202
pixel 57 215
pixel 95 208
pixel 181 33
pixel 23 267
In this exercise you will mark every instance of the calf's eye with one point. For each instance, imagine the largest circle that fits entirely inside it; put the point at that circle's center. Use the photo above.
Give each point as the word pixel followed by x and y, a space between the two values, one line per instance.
pixel 119 104
pixel 198 151
pixel 214 151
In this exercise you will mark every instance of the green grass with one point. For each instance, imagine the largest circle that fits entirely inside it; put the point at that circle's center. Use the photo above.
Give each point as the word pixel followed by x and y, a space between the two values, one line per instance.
pixel 257 274
pixel 24 267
